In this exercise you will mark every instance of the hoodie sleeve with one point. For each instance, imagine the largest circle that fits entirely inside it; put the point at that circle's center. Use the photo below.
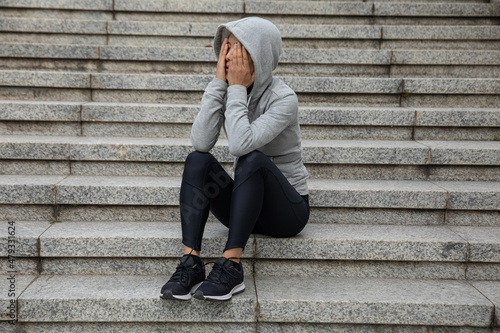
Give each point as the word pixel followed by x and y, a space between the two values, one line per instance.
pixel 245 137
pixel 206 127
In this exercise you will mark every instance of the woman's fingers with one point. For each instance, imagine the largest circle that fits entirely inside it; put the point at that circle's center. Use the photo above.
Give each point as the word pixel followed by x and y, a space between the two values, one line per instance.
pixel 221 64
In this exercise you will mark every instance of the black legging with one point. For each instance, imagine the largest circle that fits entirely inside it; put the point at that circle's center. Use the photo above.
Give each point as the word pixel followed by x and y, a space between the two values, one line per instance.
pixel 259 200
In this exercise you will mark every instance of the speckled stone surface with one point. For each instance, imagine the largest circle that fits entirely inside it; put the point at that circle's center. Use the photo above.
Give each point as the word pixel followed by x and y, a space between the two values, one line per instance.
pixel 52 26
pixel 356 116
pixel 118 190
pixel 12 285
pixel 442 32
pixel 435 9
pixel 23 266
pixel 472 195
pixel 25 189
pixel 150 81
pixel 463 152
pixel 451 86
pixel 117 327
pixel 138 113
pixel 127 239
pixel 484 242
pixel 491 289
pixel 44 79
pixel 445 57
pixel 456 133
pixel 308 8
pixel 376 194
pixel 329 31
pixel 183 29
pixel 110 168
pixel 21 237
pixel 473 218
pixel 124 299
pixel 195 54
pixel 343 85
pixel 360 269
pixel 19 212
pixel 366 242
pixel 39 111
pixel 100 213
pixel 39 128
pixel 364 152
pixel 333 56
pixel 49 51
pixel 483 271
pixel 123 266
pixel 372 301
pixel 136 130
pixel 205 6
pixel 36 167
pixel 35 147
pixel 60 4
pixel 464 173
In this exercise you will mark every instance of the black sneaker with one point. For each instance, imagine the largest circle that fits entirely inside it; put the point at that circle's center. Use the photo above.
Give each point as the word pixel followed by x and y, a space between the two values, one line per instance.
pixel 224 281
pixel 188 276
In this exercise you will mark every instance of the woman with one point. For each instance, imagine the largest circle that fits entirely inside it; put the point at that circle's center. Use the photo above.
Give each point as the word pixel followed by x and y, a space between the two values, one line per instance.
pixel 269 193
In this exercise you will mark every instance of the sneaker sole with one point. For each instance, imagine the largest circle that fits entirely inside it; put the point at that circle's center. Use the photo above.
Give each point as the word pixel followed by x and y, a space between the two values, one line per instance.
pixel 187 297
pixel 236 290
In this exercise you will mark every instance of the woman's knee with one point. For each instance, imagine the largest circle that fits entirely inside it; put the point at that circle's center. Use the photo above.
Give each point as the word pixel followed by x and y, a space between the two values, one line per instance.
pixel 195 163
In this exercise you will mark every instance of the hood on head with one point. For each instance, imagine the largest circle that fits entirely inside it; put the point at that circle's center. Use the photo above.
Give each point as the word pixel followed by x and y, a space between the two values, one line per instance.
pixel 262 40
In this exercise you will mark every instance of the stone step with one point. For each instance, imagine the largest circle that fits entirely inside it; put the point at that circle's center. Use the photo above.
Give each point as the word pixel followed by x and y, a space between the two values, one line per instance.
pixel 333 62
pixel 73 299
pixel 288 31
pixel 115 248
pixel 328 193
pixel 139 88
pixel 317 123
pixel 314 151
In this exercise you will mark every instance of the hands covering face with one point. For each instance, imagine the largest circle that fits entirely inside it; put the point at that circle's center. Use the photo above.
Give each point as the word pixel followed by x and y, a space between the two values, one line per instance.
pixel 235 64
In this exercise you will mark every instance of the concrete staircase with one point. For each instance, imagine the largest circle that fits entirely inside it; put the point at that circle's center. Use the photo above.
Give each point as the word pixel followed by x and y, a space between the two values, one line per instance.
pixel 400 115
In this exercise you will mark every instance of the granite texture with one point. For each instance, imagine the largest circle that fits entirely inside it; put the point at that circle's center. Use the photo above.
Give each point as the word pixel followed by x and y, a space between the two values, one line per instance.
pixel 117 327
pixel 44 79
pixel 491 289
pixel 12 285
pixel 81 298
pixel 19 212
pixel 473 218
pixel 364 152
pixel 122 266
pixel 150 81
pixel 483 271
pixel 27 167
pixel 110 168
pixel 436 9
pixel 101 213
pixel 40 111
pixel 308 8
pixel 49 51
pixel 46 128
pixel 25 189
pixel 187 54
pixel 322 132
pixel 451 86
pixel 442 32
pixel 376 216
pixel 21 237
pixel 136 130
pixel 445 57
pixel 181 29
pixel 453 117
pixel 376 194
pixel 463 152
pixel 366 242
pixel 472 195
pixel 329 31
pixel 456 133
pixel 138 113
pixel 333 56
pixel 127 239
pixel 372 301
pixel 35 147
pixel 360 269
pixel 309 115
pixel 484 242
pixel 60 4
pixel 23 266
pixel 464 173
pixel 343 85
pixel 65 26
pixel 118 190
pixel 178 6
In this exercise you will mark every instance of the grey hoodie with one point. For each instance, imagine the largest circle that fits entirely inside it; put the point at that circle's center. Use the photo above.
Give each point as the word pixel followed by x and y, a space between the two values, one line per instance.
pixel 267 118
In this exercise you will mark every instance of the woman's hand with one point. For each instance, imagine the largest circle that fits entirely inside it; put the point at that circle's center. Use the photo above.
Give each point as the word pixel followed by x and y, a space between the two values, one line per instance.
pixel 221 64
pixel 241 68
